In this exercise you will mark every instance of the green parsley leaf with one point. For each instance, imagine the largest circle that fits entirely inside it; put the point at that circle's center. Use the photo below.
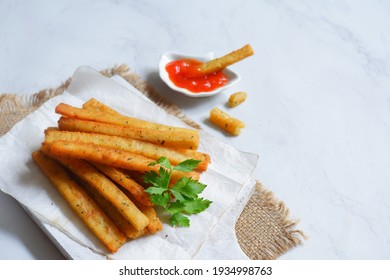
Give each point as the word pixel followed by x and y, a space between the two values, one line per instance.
pixel 163 161
pixel 175 207
pixel 188 187
pixel 154 179
pixel 187 165
pixel 177 195
pixel 196 205
pixel 179 219
pixel 155 190
pixel 182 198
pixel 160 200
pixel 165 177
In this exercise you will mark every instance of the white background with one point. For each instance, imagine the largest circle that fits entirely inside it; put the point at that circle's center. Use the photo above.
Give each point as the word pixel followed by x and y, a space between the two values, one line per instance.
pixel 318 110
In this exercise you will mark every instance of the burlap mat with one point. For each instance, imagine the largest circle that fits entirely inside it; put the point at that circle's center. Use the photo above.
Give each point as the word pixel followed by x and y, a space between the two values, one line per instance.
pixel 264 229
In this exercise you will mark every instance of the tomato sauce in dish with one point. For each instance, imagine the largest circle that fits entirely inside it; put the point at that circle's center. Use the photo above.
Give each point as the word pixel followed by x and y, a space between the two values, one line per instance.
pixel 185 73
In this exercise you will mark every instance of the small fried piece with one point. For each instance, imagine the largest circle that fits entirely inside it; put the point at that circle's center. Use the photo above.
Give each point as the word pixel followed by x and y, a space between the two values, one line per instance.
pixel 88 211
pixel 221 63
pixel 237 98
pixel 226 122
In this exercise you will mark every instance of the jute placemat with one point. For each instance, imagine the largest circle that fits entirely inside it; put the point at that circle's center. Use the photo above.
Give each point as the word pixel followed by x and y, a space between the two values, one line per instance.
pixel 264 229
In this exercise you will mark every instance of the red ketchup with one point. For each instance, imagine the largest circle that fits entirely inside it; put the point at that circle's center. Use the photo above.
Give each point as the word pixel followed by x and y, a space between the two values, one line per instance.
pixel 185 73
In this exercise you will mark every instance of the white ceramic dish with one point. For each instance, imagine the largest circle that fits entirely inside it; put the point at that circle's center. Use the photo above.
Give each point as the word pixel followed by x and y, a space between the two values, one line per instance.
pixel 167 57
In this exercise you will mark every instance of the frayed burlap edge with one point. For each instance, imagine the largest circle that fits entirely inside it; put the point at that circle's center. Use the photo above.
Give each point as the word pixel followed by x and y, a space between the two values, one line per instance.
pixel 276 235
pixel 282 235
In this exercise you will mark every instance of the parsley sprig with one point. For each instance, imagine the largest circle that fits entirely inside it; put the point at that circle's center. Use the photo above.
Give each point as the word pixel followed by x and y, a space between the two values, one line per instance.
pixel 182 198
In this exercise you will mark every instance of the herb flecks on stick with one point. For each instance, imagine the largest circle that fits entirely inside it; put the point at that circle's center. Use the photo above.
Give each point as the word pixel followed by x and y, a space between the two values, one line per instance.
pixel 182 198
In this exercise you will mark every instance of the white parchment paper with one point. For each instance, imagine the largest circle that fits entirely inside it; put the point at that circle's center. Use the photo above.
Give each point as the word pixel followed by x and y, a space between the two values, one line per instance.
pixel 211 235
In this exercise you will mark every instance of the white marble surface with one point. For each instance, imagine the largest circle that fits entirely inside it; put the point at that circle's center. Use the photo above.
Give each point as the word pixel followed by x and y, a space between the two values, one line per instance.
pixel 318 111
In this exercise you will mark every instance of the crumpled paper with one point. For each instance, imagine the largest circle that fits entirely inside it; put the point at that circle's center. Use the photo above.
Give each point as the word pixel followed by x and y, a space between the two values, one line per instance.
pixel 211 235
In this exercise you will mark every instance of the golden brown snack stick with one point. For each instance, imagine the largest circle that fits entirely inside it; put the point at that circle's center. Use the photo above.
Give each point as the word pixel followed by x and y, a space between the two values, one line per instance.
pixel 137 176
pixel 153 151
pixel 119 177
pixel 146 149
pixel 106 188
pixel 117 119
pixel 155 224
pixel 123 224
pixel 226 122
pixel 51 128
pixel 111 157
pixel 221 63
pixel 131 145
pixel 204 158
pixel 158 137
pixel 237 98
pixel 96 105
pixel 91 215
